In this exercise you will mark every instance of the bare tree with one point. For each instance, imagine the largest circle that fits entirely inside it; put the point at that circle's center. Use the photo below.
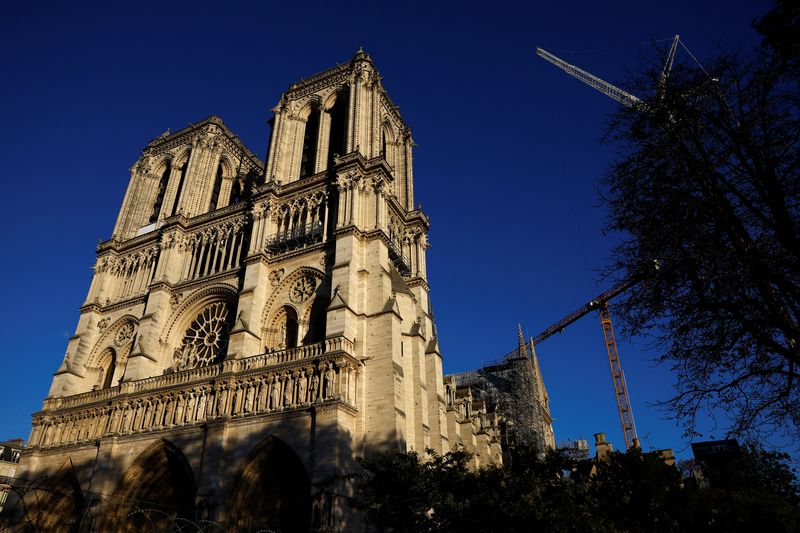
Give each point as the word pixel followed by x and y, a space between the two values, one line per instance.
pixel 708 183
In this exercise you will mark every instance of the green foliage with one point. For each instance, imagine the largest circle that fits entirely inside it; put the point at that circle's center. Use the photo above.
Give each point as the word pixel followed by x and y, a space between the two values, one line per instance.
pixel 630 491
pixel 756 491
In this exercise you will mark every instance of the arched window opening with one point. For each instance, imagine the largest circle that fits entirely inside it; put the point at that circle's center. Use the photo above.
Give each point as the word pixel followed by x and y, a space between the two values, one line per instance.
pixel 310 137
pixel 290 328
pixel 177 203
pixel 217 187
pixel 383 146
pixel 162 188
pixel 108 365
pixel 338 131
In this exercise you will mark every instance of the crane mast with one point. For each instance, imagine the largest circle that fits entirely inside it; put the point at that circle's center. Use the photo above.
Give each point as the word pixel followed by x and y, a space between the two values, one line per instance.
pixel 601 302
pixel 620 387
pixel 617 375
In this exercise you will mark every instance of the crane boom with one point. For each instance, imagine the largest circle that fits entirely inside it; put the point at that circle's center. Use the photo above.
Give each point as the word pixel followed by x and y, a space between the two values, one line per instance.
pixel 591 80
pixel 584 310
pixel 662 83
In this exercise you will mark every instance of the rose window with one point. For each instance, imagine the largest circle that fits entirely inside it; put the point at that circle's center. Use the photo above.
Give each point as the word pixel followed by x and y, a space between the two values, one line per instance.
pixel 124 334
pixel 302 289
pixel 206 339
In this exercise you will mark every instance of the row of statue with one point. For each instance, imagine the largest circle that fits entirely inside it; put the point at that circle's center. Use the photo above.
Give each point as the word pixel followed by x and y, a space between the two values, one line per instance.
pixel 257 394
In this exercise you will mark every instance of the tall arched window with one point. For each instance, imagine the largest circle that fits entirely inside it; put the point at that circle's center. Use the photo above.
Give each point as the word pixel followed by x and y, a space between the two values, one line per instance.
pixel 162 188
pixel 338 131
pixel 108 365
pixel 290 333
pixel 180 187
pixel 308 159
pixel 217 187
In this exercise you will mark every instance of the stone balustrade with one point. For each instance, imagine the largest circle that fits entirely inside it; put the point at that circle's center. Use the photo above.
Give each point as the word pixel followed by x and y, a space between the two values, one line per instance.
pixel 266 383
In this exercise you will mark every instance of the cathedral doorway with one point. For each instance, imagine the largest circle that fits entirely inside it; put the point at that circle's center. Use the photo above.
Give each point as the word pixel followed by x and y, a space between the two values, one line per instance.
pixel 271 491
pixel 55 505
pixel 156 492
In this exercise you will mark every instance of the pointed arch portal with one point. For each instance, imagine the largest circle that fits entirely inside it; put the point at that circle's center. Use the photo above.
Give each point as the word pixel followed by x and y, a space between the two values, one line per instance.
pixel 155 491
pixel 271 490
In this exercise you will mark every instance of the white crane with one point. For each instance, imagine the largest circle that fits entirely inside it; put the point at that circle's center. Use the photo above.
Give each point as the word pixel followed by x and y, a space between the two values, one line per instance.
pixel 612 91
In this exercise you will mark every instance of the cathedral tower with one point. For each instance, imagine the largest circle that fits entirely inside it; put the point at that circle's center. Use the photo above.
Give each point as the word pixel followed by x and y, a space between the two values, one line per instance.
pixel 250 328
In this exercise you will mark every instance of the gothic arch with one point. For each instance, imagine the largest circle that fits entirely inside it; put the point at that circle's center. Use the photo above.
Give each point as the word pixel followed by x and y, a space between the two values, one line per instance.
pixel 155 490
pixel 108 367
pixel 329 98
pixel 162 164
pixel 388 142
pixel 57 506
pixel 181 156
pixel 271 490
pixel 283 287
pixel 228 168
pixel 183 317
pixel 297 292
pixel 118 337
pixel 311 103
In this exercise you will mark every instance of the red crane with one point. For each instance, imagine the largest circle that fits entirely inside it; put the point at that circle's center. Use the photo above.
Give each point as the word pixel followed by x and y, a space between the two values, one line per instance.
pixel 601 302
pixel 617 375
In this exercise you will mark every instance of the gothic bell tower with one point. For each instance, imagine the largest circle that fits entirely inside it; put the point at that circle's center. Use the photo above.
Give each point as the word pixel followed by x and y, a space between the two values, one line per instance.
pixel 251 328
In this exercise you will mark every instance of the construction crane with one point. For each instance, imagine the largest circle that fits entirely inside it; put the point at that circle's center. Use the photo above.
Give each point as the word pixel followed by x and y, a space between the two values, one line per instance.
pixel 601 302
pixel 612 91
pixel 617 375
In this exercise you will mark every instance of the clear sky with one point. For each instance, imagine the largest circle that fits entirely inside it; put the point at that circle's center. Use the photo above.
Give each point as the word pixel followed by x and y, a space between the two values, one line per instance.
pixel 507 163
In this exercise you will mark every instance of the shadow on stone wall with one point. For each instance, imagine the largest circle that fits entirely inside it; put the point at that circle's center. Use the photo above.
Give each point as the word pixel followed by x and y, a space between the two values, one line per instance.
pixel 294 474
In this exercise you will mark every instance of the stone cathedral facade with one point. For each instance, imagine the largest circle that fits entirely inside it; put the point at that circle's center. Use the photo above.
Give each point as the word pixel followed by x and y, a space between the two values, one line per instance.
pixel 251 328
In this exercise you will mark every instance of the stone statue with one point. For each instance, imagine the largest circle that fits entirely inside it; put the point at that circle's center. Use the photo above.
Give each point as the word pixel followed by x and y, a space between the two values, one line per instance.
pixel 263 398
pixel 330 375
pixel 201 405
pixel 288 389
pixel 314 387
pixel 302 383
pixel 223 396
pixel 275 393
pixel 188 415
pixel 248 399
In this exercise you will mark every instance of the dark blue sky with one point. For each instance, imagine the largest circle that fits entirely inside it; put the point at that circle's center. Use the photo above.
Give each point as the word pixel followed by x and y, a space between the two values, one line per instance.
pixel 507 162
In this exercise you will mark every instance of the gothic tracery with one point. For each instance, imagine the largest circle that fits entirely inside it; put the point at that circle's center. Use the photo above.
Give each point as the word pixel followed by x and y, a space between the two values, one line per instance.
pixel 206 339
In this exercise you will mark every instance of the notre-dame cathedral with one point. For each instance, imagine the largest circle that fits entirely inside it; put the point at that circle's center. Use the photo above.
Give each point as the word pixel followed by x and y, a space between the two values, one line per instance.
pixel 251 328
